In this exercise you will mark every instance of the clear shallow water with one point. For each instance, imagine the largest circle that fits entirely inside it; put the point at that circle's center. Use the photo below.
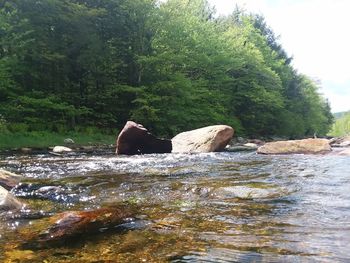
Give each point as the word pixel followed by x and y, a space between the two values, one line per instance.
pixel 216 207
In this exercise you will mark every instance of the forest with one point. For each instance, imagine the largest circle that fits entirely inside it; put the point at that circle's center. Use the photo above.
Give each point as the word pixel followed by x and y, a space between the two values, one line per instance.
pixel 172 66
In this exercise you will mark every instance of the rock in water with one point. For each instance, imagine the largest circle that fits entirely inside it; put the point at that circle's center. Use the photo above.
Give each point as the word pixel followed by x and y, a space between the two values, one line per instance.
pixel 306 146
pixel 26 150
pixel 8 201
pixel 61 149
pixel 341 141
pixel 8 180
pixel 135 139
pixel 345 152
pixel 251 145
pixel 207 139
pixel 62 227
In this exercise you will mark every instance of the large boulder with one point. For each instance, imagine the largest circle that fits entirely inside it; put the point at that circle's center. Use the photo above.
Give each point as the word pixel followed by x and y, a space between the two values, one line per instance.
pixel 306 146
pixel 207 139
pixel 135 139
pixel 9 180
pixel 8 201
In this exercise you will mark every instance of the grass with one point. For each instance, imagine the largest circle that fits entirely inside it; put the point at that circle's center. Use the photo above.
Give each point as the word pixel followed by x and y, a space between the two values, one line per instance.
pixel 41 139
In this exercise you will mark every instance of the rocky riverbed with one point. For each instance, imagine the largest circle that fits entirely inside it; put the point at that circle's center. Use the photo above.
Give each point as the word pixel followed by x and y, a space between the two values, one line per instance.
pixel 213 207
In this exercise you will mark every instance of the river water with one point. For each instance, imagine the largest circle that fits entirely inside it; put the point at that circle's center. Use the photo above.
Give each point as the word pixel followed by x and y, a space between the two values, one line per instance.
pixel 215 207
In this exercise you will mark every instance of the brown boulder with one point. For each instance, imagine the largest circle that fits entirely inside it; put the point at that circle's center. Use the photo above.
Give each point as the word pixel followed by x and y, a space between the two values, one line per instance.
pixel 207 139
pixel 135 139
pixel 58 229
pixel 306 146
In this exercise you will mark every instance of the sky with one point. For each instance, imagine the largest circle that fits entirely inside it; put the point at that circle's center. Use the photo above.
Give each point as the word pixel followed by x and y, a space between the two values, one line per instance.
pixel 316 33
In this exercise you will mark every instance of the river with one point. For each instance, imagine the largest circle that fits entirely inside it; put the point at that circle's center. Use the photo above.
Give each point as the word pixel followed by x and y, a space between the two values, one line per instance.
pixel 215 207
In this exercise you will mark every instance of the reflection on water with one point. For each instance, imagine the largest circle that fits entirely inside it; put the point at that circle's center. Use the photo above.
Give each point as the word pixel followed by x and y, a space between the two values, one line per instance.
pixel 217 207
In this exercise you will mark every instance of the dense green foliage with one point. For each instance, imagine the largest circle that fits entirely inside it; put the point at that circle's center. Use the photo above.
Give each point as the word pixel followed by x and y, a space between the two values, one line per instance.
pixel 341 126
pixel 174 66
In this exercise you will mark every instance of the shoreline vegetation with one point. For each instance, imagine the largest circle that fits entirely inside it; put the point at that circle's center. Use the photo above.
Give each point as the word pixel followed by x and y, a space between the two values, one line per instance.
pixel 46 139
pixel 173 66
pixel 341 126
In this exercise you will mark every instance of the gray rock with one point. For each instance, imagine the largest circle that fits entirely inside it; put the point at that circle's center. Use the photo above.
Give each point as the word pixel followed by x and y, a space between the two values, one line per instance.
pixel 240 140
pixel 245 192
pixel 207 139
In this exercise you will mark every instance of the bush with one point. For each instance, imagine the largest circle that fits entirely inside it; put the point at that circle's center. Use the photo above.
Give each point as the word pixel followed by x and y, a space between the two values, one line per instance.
pixel 18 127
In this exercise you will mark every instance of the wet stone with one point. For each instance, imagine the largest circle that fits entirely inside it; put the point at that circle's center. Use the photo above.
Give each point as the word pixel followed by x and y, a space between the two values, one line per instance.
pixel 58 229
pixel 9 180
pixel 50 192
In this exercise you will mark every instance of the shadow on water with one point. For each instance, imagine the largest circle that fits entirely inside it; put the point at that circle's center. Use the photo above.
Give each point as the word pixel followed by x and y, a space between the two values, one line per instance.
pixel 217 207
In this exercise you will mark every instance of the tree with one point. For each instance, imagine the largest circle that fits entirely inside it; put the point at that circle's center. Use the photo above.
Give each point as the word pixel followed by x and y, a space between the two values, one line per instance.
pixel 173 66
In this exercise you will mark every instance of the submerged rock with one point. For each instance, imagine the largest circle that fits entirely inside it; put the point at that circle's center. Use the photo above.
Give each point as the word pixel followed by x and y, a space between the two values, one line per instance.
pixel 239 148
pixel 135 139
pixel 9 180
pixel 62 227
pixel 61 149
pixel 246 192
pixel 8 201
pixel 207 139
pixel 306 146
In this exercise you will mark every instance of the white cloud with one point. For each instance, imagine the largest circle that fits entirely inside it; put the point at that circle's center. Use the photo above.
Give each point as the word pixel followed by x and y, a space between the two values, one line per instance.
pixel 315 32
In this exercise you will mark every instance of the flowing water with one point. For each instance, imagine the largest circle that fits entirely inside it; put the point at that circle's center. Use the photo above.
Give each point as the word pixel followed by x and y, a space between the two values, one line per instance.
pixel 215 207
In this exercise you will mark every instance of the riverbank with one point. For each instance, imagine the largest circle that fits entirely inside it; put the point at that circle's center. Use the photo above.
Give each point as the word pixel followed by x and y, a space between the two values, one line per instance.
pixel 44 139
